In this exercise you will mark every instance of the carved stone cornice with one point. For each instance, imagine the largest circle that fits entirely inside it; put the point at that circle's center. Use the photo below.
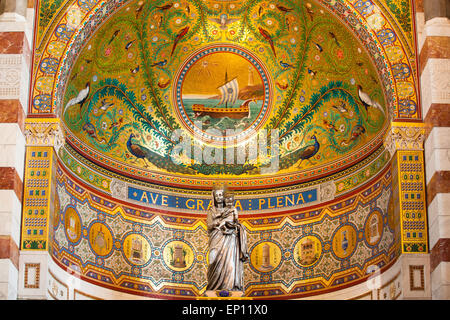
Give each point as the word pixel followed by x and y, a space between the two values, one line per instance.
pixel 405 136
pixel 44 132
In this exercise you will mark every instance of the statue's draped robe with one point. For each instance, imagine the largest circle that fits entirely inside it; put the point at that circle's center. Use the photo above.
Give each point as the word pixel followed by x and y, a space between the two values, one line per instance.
pixel 227 253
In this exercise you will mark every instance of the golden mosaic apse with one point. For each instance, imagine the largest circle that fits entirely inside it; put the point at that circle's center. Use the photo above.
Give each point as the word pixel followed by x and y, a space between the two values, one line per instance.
pixel 223 90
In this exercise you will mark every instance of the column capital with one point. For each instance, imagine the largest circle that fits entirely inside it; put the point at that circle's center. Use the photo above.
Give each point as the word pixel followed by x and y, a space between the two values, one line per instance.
pixel 405 136
pixel 44 132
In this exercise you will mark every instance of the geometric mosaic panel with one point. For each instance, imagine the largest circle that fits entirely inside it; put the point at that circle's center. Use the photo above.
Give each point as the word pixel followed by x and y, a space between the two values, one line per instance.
pixel 37 198
pixel 412 201
pixel 144 251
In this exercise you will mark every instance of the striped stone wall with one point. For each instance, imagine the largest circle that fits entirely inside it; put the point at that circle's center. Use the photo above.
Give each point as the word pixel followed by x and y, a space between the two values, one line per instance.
pixel 434 71
pixel 15 63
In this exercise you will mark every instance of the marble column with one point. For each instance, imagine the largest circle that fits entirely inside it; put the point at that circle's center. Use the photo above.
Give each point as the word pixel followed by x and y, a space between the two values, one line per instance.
pixel 434 73
pixel 436 8
pixel 18 7
pixel 405 143
pixel 43 139
pixel 15 61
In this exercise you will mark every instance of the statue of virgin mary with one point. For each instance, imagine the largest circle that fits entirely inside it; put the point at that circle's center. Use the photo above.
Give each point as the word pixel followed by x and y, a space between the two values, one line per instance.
pixel 227 243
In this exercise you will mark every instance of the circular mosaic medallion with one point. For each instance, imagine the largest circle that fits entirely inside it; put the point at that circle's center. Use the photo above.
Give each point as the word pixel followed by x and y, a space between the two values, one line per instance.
pixel 137 249
pixel 72 225
pixel 266 256
pixel 344 241
pixel 178 256
pixel 373 228
pixel 307 251
pixel 100 239
pixel 222 94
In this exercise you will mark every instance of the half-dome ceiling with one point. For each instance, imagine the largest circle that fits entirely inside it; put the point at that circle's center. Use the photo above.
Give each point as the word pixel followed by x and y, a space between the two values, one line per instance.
pixel 158 76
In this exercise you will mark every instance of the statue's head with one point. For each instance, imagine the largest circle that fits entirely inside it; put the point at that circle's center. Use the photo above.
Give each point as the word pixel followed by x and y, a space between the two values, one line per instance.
pixel 218 194
pixel 229 199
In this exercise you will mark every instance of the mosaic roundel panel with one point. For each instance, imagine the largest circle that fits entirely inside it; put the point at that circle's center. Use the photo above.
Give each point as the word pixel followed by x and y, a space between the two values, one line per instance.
pixel 178 255
pixel 265 256
pixel 72 225
pixel 137 249
pixel 374 227
pixel 308 250
pixel 344 241
pixel 100 239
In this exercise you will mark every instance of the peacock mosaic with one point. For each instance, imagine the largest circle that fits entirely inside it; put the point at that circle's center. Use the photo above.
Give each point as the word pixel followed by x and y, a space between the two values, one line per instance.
pixel 157 253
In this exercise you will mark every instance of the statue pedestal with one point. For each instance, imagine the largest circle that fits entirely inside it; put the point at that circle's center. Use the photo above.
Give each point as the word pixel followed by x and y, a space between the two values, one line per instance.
pixel 223 294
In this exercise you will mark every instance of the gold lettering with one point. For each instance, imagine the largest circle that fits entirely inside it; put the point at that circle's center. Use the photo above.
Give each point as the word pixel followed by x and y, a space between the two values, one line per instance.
pixel 279 202
pixel 153 198
pixel 187 204
pixel 200 204
pixel 238 205
pixel 291 200
pixel 269 206
pixel 261 202
pixel 144 197
pixel 300 197
pixel 209 205
pixel 164 200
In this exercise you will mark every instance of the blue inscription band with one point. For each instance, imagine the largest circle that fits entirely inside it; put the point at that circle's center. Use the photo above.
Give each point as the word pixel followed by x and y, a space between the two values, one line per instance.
pixel 263 203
